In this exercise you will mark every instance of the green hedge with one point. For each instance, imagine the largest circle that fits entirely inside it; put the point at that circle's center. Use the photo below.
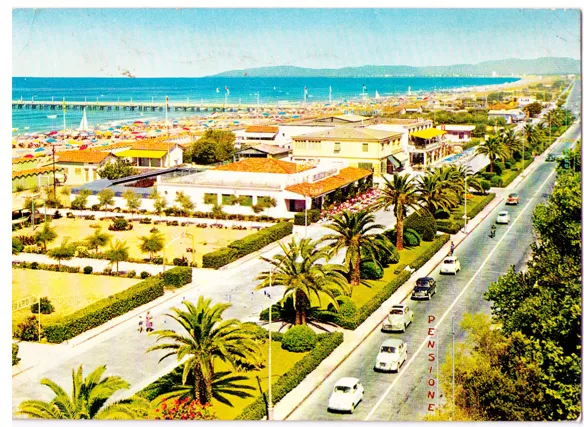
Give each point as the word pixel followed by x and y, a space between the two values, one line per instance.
pixel 247 245
pixel 294 376
pixel 312 216
pixel 449 226
pixel 15 358
pixel 219 258
pixel 422 259
pixel 298 339
pixel 424 225
pixel 480 206
pixel 178 276
pixel 104 310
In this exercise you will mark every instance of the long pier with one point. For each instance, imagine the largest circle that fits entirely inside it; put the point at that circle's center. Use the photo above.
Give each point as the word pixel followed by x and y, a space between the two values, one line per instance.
pixel 149 106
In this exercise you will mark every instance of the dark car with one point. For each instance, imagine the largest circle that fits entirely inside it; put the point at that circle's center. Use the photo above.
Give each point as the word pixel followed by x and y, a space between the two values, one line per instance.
pixel 550 157
pixel 425 288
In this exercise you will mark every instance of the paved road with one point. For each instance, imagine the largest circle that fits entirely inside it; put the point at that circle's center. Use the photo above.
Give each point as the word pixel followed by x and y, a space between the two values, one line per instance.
pixel 404 396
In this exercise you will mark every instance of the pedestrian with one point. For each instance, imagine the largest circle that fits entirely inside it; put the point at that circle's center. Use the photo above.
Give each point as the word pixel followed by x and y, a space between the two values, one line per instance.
pixel 252 295
pixel 451 248
pixel 149 327
pixel 140 324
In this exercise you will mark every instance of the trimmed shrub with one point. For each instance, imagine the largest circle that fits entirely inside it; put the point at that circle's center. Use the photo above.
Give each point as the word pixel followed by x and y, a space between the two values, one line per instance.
pixel 486 185
pixel 392 258
pixel 178 276
pixel 441 214
pixel 496 181
pixel 371 271
pixel 423 224
pixel 131 274
pixel 15 358
pixel 87 269
pixel 219 258
pixel 299 339
pixel 498 168
pixel 450 226
pixel 326 343
pixel 104 310
pixel 312 216
pixel 120 224
pixel 411 238
pixel 17 245
pixel 430 251
pixel 157 260
pixel 488 175
pixel 46 307
pixel 399 269
pixel 144 275
pixel 347 307
pixel 511 161
pixel 28 330
pixel 182 262
pixel 260 333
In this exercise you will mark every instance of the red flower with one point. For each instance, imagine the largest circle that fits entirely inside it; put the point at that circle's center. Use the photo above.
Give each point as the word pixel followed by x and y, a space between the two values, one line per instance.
pixel 164 406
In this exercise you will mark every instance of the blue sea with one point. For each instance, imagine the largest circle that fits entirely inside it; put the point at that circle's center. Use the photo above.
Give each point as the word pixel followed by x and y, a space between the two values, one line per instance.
pixel 244 90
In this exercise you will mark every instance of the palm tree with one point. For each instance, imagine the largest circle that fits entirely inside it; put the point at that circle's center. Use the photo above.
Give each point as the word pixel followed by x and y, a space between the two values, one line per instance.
pixel 97 240
pixel 494 149
pixel 106 197
pixel 152 243
pixel 434 195
pixel 45 235
pixel 88 400
pixel 299 270
pixel 399 194
pixel 269 202
pixel 471 179
pixel 208 337
pixel 133 201
pixel 531 135
pixel 159 201
pixel 223 384
pixel 185 202
pixel 63 252
pixel 354 232
pixel 118 251
pixel 217 211
pixel 510 140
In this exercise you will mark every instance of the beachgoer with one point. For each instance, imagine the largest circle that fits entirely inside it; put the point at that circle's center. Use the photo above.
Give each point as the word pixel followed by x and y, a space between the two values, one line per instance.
pixel 140 324
pixel 149 325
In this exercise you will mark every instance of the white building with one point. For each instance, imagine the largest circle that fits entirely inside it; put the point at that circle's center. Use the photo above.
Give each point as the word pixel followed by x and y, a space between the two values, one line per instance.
pixel 526 100
pixel 510 116
pixel 457 133
pixel 253 180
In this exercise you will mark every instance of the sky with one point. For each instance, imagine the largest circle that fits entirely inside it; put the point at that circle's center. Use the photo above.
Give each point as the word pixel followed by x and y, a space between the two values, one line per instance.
pixel 200 42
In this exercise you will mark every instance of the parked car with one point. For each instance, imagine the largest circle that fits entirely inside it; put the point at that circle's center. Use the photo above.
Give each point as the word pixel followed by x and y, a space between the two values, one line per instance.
pixel 425 288
pixel 346 395
pixel 550 158
pixel 392 355
pixel 450 265
pixel 399 318
pixel 513 199
pixel 503 218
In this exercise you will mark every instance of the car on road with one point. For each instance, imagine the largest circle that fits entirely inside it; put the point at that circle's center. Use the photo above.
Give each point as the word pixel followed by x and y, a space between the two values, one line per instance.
pixel 392 355
pixel 346 395
pixel 398 319
pixel 425 288
pixel 513 199
pixel 551 157
pixel 503 218
pixel 450 265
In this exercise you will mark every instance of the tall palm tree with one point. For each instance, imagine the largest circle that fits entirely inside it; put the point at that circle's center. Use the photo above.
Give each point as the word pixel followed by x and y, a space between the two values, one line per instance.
pixel 434 193
pixel 88 399
pixel 152 243
pixel 400 194
pixel 471 179
pixel 532 137
pixel 97 239
pixel 494 149
pixel 206 338
pixel 510 140
pixel 302 275
pixel 354 232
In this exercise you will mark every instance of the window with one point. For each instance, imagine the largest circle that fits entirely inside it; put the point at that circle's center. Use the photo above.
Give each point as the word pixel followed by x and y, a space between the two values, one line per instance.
pixel 210 198
pixel 367 166
pixel 365 147
pixel 301 145
pixel 78 171
pixel 337 147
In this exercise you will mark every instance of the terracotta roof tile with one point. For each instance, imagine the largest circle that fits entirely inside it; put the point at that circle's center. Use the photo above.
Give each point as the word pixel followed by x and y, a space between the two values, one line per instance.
pixel 82 156
pixel 114 146
pixel 262 129
pixel 261 165
pixel 154 145
pixel 344 177
pixel 22 160
pixel 36 171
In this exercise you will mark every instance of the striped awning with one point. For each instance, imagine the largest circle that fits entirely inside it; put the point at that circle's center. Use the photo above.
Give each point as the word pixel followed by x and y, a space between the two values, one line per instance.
pixel 142 154
pixel 394 162
pixel 401 156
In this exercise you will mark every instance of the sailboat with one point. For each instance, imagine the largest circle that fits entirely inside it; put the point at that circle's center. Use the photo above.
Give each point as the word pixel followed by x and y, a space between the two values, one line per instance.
pixel 217 90
pixel 83 126
pixel 377 95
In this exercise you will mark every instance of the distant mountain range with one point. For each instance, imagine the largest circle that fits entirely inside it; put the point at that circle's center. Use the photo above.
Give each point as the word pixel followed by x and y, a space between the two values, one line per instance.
pixel 504 67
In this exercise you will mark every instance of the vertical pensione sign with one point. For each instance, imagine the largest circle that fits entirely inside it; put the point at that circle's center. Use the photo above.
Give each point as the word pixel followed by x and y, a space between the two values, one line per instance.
pixel 432 361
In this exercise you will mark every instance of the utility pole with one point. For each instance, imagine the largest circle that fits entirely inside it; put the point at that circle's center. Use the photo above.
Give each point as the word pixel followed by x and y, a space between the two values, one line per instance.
pixel 270 402
pixel 453 368
pixel 54 178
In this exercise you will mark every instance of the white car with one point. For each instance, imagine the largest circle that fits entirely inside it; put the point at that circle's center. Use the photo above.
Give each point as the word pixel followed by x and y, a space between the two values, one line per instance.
pixel 347 394
pixel 503 218
pixel 399 318
pixel 392 355
pixel 450 265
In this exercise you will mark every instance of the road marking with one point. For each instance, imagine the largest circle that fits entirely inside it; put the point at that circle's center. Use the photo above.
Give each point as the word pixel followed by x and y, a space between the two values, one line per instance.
pixel 405 368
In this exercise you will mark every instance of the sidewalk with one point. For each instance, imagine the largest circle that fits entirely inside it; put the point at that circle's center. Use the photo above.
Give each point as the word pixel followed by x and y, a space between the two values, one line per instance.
pixel 352 339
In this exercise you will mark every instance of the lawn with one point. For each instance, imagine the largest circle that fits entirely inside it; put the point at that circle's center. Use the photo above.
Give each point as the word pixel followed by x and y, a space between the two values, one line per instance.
pixel 206 239
pixel 68 292
pixel 364 292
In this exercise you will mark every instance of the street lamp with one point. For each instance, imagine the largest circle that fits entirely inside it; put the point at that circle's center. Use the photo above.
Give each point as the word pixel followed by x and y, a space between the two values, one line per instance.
pixel 465 219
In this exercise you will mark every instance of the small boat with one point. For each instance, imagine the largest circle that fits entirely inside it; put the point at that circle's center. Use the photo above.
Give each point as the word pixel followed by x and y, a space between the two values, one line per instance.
pixel 54 116
pixel 217 90
pixel 377 95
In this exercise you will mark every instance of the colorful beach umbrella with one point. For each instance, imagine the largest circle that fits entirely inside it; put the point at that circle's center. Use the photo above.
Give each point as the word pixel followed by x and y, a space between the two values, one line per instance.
pixel 29 156
pixel 265 114
pixel 282 113
pixel 51 140
pixel 39 150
